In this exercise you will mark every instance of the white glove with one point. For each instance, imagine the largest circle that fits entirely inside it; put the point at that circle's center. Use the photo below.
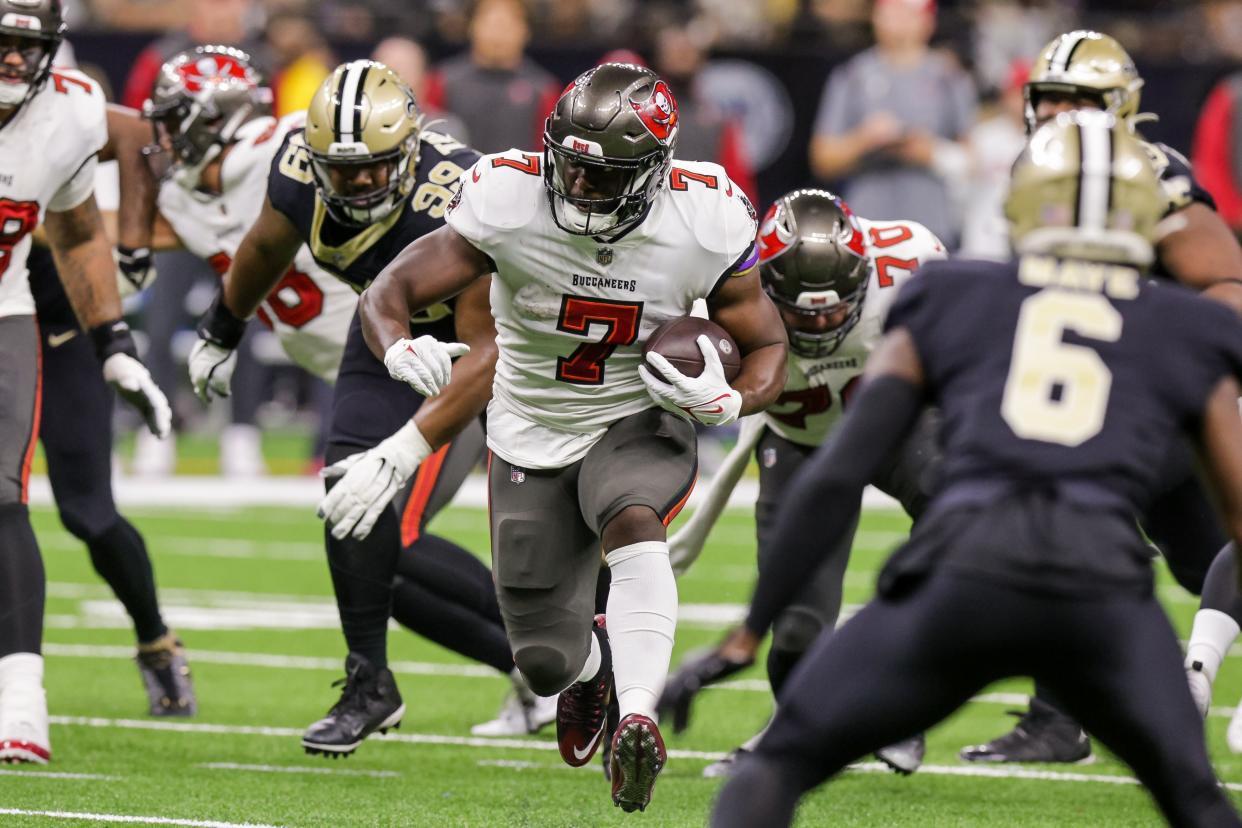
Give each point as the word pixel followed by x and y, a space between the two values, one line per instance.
pixel 135 269
pixel 425 364
pixel 211 369
pixel 133 383
pixel 370 480
pixel 706 398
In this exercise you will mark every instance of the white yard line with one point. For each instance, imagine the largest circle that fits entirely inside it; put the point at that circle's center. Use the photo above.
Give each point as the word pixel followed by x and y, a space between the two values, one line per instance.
pixel 84 816
pixel 234 766
pixel 96 777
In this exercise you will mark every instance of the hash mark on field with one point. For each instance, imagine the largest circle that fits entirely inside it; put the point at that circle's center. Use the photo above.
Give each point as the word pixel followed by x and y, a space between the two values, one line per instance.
pixel 377 774
pixel 517 764
pixel 139 820
pixel 98 777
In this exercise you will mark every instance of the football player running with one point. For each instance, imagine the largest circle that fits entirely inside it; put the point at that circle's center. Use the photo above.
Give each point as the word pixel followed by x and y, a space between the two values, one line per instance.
pixel 58 118
pixel 833 277
pixel 594 242
pixel 342 197
pixel 1089 70
pixel 1028 559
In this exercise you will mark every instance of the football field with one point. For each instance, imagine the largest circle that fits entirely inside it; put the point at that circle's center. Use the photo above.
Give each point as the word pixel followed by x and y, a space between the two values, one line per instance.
pixel 248 591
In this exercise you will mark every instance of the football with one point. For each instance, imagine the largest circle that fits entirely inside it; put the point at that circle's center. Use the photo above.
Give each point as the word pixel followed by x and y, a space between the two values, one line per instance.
pixel 677 341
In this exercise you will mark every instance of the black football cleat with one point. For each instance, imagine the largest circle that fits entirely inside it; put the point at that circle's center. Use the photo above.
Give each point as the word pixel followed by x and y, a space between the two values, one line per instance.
pixel 582 709
pixel 369 702
pixel 166 677
pixel 638 756
pixel 1043 734
pixel 904 757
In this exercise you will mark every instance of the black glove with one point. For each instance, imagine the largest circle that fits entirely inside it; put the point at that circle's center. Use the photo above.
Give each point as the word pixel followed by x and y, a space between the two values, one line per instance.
pixel 135 268
pixel 698 671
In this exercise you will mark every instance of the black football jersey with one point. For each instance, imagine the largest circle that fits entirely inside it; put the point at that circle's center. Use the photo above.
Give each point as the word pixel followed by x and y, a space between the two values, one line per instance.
pixel 1092 382
pixel 1181 189
pixel 357 255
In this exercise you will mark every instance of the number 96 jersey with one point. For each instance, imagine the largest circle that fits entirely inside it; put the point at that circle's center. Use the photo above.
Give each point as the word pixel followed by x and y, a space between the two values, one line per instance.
pixel 572 311
pixel 47 162
pixel 816 388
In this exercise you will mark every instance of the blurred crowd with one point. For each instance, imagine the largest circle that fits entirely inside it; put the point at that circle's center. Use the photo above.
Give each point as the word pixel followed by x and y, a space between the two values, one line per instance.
pixel 914 109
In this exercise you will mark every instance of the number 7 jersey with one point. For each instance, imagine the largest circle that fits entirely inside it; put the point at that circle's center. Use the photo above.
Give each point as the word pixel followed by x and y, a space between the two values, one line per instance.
pixel 573 311
pixel 47 162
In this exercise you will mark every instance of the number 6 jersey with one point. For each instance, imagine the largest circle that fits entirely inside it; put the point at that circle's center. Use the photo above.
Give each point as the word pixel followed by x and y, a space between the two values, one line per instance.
pixel 572 311
pixel 47 162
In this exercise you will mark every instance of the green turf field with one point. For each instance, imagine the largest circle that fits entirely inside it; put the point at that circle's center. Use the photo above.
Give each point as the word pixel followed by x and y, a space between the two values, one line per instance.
pixel 250 594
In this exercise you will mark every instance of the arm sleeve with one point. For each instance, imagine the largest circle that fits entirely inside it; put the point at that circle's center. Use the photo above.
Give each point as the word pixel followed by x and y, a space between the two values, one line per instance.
pixel 827 492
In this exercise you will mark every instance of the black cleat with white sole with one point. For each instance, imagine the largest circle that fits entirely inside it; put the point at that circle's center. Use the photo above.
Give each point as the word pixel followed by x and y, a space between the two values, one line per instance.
pixel 369 702
pixel 904 757
pixel 1043 734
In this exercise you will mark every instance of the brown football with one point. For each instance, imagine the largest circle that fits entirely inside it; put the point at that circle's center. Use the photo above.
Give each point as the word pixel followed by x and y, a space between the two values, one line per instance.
pixel 677 341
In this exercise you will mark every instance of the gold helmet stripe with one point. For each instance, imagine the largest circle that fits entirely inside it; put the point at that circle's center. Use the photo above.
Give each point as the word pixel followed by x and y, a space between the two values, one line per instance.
pixel 1095 173
pixel 1065 51
pixel 349 102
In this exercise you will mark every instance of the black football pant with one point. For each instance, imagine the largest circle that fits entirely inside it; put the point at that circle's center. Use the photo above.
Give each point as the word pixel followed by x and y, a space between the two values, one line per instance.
pixel 426 582
pixel 76 432
pixel 900 666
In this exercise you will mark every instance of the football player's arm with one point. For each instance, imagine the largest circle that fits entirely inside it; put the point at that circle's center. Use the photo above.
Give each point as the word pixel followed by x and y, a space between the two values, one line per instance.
pixel 432 269
pixel 742 308
pixel 127 135
pixel 442 417
pixel 84 261
pixel 1220 444
pixel 264 255
pixel 1203 253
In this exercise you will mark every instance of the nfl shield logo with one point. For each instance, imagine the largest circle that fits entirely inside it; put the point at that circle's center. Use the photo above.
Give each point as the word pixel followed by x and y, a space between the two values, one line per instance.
pixel 516 475
pixel 769 458
pixel 604 256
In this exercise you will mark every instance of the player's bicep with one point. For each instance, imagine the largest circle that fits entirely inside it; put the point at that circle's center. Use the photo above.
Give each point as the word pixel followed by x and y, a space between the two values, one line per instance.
pixel 68 229
pixel 434 268
pixel 1220 444
pixel 127 133
pixel 741 307
pixel 1200 250
pixel 271 242
pixel 473 318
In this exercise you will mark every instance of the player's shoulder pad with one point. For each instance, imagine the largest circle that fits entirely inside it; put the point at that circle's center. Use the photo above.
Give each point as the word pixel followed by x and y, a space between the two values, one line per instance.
pixel 902 238
pixel 502 191
pixel 80 104
pixel 722 216
pixel 290 182
pixel 441 146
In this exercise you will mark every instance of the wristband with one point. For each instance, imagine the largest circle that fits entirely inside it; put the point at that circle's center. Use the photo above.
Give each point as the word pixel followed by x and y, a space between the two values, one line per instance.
pixel 113 338
pixel 220 327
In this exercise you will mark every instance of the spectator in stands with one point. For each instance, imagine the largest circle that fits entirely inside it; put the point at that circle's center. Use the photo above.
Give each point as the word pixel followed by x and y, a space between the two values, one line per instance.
pixel 301 59
pixel 502 95
pixel 409 60
pixel 1217 151
pixel 706 134
pixel 884 115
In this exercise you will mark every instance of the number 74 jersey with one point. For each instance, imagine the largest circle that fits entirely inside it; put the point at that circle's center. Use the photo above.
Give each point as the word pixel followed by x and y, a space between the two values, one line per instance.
pixel 573 311
pixel 817 388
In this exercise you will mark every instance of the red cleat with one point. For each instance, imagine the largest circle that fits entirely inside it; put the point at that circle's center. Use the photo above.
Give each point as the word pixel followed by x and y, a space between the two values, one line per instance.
pixel 638 756
pixel 582 709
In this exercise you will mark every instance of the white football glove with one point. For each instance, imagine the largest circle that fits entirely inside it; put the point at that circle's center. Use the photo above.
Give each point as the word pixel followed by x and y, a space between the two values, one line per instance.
pixel 425 364
pixel 211 369
pixel 132 381
pixel 706 398
pixel 369 479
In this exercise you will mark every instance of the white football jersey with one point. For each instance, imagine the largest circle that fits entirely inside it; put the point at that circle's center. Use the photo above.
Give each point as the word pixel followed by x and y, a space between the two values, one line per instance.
pixel 816 387
pixel 572 312
pixel 309 309
pixel 47 162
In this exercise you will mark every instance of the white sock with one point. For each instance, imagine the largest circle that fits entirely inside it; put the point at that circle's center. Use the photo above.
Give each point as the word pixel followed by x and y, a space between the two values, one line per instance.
pixel 642 617
pixel 594 659
pixel 1210 638
pixel 21 668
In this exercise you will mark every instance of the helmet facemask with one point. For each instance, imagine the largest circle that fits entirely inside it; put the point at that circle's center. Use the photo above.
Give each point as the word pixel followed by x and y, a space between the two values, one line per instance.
pixel 819 304
pixel 590 194
pixel 359 188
